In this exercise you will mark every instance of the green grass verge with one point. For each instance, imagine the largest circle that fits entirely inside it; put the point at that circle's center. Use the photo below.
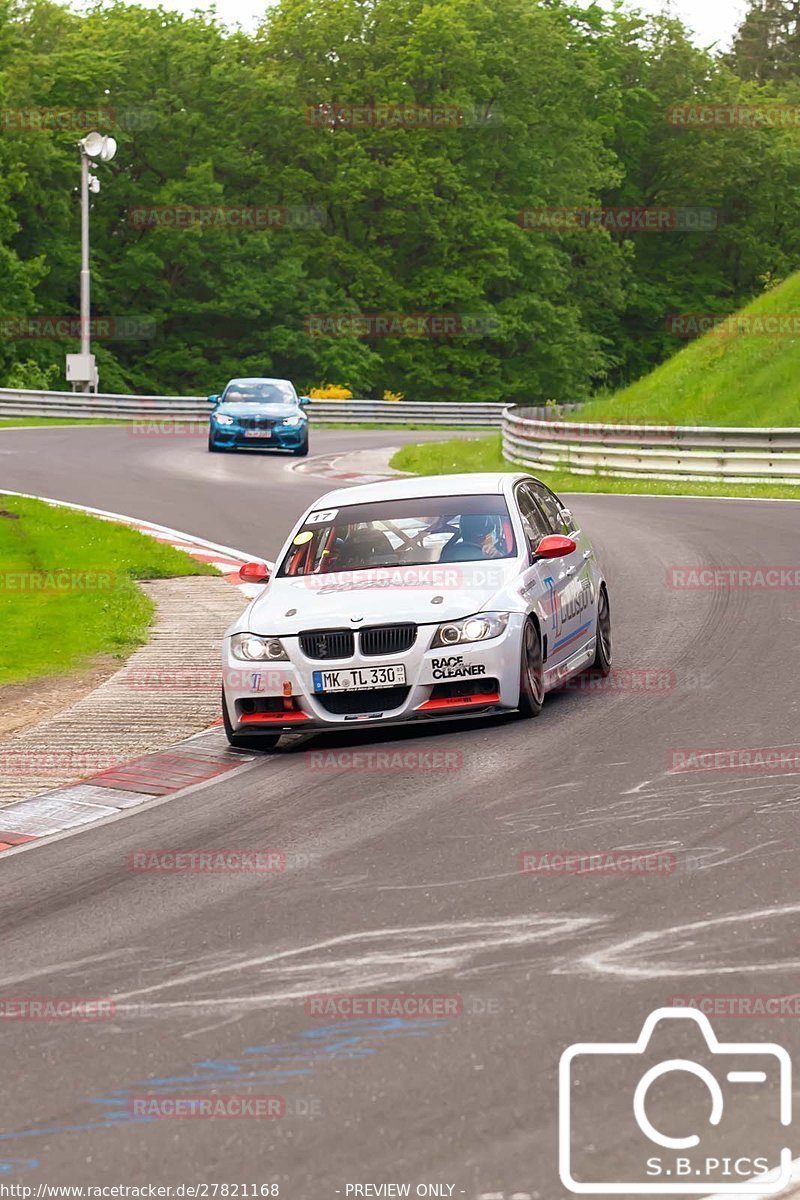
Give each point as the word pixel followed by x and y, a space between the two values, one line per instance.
pixel 741 379
pixel 485 454
pixel 55 624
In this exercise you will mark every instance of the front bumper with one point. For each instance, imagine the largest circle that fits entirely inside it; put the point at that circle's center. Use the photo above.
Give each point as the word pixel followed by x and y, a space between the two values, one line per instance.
pixel 277 438
pixel 441 683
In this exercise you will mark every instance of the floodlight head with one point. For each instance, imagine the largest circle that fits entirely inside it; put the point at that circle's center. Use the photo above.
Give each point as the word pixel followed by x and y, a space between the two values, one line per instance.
pixel 92 144
pixel 109 149
pixel 94 184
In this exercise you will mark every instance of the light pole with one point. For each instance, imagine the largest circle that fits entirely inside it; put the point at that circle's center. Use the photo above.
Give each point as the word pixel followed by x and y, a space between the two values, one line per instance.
pixel 81 368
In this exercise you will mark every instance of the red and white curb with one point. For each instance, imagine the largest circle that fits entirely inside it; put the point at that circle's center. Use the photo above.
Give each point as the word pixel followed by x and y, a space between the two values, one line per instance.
pixel 343 467
pixel 161 773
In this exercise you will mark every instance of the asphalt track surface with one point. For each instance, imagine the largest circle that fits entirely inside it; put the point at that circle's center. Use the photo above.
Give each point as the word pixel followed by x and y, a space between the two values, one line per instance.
pixel 411 886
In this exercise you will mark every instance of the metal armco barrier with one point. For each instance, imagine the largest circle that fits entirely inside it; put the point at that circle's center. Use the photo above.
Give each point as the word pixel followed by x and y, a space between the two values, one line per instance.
pixel 652 451
pixel 16 403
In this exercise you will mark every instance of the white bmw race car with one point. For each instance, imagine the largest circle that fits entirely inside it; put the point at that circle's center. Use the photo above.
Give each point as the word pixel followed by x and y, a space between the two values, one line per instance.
pixel 415 599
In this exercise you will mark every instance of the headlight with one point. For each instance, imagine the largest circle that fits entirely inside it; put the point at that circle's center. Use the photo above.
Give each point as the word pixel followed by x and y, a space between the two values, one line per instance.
pixel 292 420
pixel 471 629
pixel 251 648
pixel 223 419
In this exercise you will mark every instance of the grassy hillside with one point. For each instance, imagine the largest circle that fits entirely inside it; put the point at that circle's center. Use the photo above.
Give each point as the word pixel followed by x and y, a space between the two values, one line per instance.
pixel 744 378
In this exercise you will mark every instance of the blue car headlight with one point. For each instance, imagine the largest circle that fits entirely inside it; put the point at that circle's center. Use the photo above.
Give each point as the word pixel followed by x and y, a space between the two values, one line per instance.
pixel 291 422
pixel 223 419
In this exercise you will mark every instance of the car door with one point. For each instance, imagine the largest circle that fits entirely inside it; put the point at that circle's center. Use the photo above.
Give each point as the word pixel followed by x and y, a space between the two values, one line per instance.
pixel 571 593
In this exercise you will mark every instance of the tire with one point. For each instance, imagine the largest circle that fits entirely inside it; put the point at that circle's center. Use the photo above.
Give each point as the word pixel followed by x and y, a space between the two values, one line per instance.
pixel 301 451
pixel 243 741
pixel 531 671
pixel 603 653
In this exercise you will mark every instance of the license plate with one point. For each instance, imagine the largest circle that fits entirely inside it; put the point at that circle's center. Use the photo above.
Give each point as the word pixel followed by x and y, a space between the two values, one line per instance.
pixel 258 433
pixel 358 677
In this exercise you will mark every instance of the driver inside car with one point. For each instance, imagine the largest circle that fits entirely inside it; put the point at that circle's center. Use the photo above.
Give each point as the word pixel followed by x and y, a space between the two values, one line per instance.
pixel 477 537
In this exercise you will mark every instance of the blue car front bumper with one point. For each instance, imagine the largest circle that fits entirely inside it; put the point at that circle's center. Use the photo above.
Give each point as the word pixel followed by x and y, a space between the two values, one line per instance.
pixel 239 437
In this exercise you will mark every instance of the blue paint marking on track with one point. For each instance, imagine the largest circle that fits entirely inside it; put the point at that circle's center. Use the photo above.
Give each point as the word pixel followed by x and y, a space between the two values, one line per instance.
pixel 7 1165
pixel 257 1064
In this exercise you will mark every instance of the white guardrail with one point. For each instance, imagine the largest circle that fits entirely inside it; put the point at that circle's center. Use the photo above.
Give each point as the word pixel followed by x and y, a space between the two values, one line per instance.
pixel 652 451
pixel 18 403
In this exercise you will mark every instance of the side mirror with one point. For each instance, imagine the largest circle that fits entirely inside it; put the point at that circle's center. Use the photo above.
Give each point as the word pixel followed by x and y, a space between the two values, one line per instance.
pixel 213 399
pixel 555 545
pixel 254 572
pixel 305 401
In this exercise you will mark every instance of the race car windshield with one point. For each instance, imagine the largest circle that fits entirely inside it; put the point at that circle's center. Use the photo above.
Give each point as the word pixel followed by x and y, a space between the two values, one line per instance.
pixel 401 533
pixel 259 393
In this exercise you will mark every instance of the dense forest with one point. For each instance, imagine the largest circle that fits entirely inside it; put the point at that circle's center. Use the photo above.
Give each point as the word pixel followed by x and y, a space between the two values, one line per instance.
pixel 388 157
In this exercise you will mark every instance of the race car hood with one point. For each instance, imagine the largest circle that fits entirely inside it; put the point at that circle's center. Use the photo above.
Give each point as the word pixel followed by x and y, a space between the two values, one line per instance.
pixel 275 412
pixel 424 595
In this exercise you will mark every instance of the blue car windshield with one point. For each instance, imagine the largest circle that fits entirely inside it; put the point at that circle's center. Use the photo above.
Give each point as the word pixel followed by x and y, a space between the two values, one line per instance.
pixel 260 393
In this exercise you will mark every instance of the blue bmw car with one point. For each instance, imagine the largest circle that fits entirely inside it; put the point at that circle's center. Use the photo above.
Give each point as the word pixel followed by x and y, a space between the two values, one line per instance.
pixel 264 414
